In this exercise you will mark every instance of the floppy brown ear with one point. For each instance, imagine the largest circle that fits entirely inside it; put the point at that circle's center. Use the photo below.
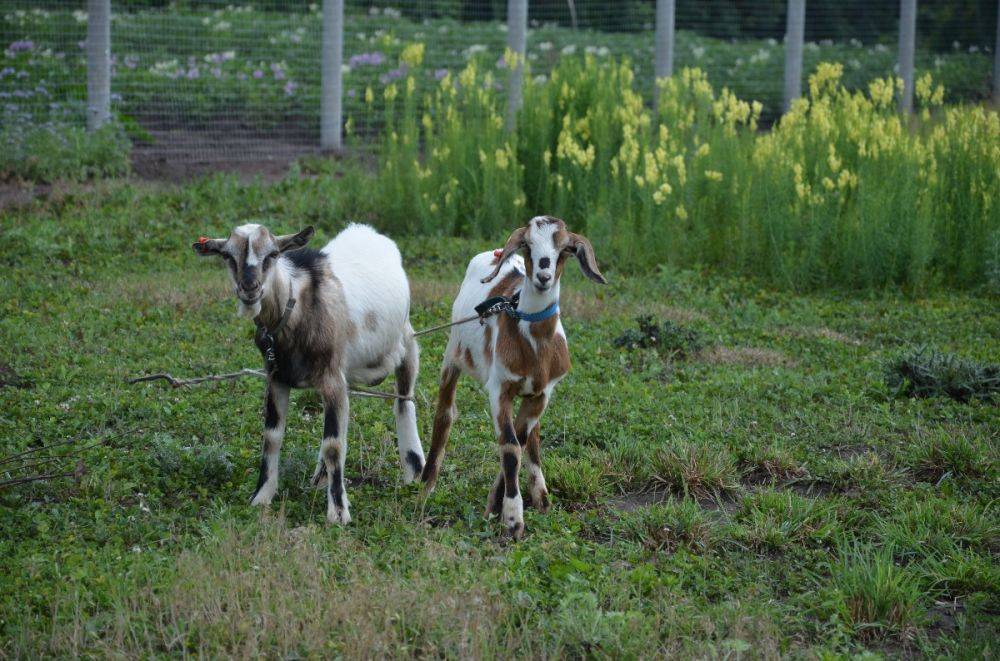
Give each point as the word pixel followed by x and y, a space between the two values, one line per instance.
pixel 514 243
pixel 295 241
pixel 206 247
pixel 584 252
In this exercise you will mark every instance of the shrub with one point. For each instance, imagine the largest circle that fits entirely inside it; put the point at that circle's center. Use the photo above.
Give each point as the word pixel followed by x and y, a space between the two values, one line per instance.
pixel 840 193
pixel 44 153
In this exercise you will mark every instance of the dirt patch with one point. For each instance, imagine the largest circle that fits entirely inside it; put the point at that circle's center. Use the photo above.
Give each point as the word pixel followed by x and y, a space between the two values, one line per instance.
pixel 631 502
pixel 746 356
pixel 825 333
pixel 180 156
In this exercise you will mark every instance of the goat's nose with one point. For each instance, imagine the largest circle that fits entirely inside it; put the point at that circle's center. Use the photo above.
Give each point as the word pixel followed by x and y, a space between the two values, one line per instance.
pixel 543 278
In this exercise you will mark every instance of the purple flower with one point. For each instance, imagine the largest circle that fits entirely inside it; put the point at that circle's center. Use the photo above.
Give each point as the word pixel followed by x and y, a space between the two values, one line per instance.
pixel 241 76
pixel 279 73
pixel 21 46
pixel 392 74
pixel 217 72
pixel 258 74
pixel 290 87
pixel 372 59
pixel 6 71
pixel 439 74
pixel 501 63
pixel 131 61
pixel 193 73
pixel 82 45
pixel 351 93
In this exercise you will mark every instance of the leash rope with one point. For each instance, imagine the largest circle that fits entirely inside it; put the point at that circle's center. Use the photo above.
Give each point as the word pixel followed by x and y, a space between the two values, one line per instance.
pixel 265 341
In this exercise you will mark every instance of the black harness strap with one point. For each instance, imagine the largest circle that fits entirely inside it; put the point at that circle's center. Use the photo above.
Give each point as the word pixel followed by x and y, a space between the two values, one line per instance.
pixel 265 339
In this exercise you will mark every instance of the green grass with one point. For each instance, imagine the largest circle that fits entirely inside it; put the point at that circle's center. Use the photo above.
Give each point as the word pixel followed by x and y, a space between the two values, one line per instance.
pixel 767 495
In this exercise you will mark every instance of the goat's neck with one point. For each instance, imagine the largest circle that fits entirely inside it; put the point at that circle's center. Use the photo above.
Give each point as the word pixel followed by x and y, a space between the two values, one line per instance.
pixel 533 300
pixel 280 287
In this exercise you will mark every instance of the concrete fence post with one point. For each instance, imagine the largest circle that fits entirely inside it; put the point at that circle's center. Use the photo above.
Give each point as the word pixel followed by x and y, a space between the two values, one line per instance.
pixel 996 62
pixel 332 75
pixel 795 30
pixel 907 44
pixel 664 66
pixel 98 63
pixel 517 37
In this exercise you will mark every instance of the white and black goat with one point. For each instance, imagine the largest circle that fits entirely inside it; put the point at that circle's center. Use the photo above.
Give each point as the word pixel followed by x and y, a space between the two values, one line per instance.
pixel 331 317
pixel 520 353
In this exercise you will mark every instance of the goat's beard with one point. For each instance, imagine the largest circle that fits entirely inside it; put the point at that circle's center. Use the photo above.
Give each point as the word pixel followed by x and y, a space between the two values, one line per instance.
pixel 248 311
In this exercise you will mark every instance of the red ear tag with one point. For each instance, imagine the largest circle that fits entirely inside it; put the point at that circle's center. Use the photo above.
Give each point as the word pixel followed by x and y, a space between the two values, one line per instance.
pixel 202 239
pixel 498 252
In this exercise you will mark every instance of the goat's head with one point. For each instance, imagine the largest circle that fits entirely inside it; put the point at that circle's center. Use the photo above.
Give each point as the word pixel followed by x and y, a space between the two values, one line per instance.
pixel 546 243
pixel 250 252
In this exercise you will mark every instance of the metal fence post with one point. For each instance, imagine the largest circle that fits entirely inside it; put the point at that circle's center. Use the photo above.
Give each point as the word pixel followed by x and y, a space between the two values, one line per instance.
pixel 664 67
pixel 996 61
pixel 907 42
pixel 517 35
pixel 332 75
pixel 98 63
pixel 795 28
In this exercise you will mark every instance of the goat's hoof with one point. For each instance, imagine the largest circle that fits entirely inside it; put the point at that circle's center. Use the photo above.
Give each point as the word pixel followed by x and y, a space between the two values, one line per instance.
pixel 540 501
pixel 338 516
pixel 514 530
pixel 260 500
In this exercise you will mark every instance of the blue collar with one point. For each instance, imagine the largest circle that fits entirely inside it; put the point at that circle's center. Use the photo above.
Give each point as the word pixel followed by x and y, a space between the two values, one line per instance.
pixel 532 317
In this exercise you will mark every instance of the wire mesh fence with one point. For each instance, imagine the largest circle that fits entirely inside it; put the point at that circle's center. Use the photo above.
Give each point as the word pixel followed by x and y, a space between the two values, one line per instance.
pixel 222 80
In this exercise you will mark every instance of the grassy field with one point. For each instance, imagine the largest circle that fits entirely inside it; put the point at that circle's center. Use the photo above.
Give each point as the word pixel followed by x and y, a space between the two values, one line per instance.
pixel 752 488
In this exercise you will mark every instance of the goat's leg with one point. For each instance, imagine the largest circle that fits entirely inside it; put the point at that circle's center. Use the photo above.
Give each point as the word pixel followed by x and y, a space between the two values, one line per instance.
pixel 333 450
pixel 512 508
pixel 528 432
pixel 411 454
pixel 443 419
pixel 275 410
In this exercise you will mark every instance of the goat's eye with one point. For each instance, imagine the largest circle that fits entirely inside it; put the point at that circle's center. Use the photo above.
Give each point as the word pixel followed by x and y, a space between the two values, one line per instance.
pixel 269 259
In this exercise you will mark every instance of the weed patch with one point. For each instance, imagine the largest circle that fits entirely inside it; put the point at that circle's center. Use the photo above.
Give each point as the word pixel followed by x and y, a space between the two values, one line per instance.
pixel 927 373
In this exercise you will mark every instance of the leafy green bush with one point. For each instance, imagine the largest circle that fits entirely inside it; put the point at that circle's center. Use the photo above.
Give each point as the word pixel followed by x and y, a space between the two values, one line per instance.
pixel 44 153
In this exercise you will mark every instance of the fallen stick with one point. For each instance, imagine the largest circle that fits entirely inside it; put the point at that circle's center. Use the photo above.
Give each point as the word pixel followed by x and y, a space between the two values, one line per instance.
pixel 246 371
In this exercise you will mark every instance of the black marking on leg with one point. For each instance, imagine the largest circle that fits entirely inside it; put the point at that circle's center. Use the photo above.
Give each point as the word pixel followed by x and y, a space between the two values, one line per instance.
pixel 510 465
pixel 415 462
pixel 336 487
pixel 270 411
pixel 496 501
pixel 508 435
pixel 330 422
pixel 262 478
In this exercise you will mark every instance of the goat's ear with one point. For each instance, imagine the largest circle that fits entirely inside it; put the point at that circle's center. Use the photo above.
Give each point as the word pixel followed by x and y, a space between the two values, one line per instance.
pixel 206 247
pixel 514 243
pixel 295 241
pixel 580 246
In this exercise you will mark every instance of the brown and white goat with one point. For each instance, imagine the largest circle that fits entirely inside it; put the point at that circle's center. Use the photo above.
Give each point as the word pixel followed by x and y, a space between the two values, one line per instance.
pixel 511 356
pixel 349 323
